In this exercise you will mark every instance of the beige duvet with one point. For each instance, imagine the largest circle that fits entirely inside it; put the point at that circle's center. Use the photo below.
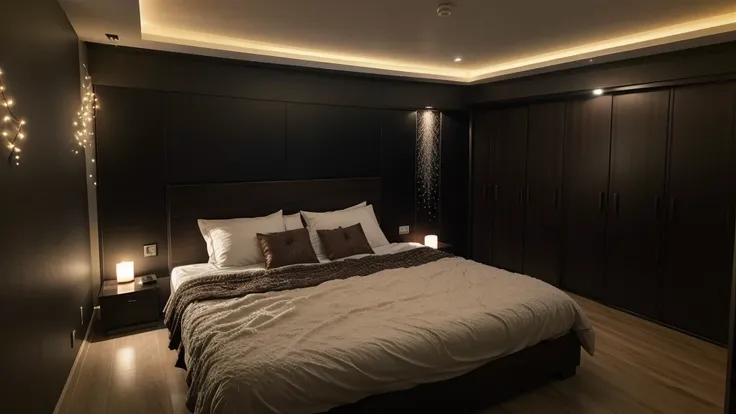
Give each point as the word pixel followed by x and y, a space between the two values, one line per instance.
pixel 308 350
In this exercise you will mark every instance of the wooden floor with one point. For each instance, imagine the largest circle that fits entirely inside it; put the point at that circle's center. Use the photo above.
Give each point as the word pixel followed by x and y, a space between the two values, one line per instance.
pixel 639 367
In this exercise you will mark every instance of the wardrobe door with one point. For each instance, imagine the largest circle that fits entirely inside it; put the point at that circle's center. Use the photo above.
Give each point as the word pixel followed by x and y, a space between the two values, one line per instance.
pixel 544 186
pixel 508 170
pixel 699 235
pixel 481 217
pixel 587 149
pixel 637 178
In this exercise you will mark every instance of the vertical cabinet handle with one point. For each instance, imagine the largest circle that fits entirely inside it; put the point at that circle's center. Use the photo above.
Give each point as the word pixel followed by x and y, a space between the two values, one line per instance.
pixel 601 201
pixel 615 204
pixel 671 210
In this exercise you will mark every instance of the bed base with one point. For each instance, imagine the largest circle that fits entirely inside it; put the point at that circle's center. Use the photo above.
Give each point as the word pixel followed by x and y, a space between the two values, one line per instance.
pixel 493 382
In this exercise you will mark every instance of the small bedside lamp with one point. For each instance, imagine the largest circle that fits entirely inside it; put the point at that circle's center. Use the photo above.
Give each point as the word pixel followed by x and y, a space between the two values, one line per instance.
pixel 430 240
pixel 125 272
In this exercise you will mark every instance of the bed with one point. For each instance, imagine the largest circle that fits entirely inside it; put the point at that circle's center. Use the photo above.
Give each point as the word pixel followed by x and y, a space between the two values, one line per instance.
pixel 407 328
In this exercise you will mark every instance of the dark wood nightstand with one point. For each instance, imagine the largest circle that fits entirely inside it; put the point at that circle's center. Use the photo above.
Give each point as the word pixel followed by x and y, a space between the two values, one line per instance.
pixel 131 304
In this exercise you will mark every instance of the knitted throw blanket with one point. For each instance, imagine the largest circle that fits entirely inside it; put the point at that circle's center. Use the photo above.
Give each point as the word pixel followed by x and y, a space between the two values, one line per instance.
pixel 227 286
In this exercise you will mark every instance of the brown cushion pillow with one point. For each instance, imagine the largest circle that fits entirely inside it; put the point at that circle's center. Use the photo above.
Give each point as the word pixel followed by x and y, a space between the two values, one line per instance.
pixel 287 248
pixel 344 242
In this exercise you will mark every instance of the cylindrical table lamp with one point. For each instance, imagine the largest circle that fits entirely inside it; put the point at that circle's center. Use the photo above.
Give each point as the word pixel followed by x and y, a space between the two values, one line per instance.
pixel 125 272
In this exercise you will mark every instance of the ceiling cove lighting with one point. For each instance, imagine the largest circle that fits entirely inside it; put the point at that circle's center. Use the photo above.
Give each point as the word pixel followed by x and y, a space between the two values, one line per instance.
pixel 598 92
pixel 689 30
pixel 155 33
pixel 152 31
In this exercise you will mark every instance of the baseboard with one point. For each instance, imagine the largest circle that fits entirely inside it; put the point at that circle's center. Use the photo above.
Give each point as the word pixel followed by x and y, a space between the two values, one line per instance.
pixel 78 361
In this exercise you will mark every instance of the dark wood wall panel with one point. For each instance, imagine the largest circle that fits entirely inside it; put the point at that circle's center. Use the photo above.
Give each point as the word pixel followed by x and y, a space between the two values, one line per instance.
pixel 480 227
pixel 637 184
pixel 587 151
pixel 454 179
pixel 508 179
pixel 543 226
pixel 131 153
pixel 398 138
pixel 648 198
pixel 332 141
pixel 220 139
pixel 696 282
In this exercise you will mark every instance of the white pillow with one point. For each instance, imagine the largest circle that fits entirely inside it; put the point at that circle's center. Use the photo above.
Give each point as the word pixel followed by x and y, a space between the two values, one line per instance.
pixel 344 218
pixel 233 242
pixel 293 222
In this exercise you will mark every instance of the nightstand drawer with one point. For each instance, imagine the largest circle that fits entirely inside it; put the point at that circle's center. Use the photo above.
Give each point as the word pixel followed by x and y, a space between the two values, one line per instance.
pixel 129 309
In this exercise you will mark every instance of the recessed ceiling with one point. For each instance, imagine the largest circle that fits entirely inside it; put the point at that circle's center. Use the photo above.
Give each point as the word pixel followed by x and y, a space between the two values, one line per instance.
pixel 493 38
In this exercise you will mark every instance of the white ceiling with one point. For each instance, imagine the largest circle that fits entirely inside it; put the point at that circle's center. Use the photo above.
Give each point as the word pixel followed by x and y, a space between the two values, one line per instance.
pixel 406 37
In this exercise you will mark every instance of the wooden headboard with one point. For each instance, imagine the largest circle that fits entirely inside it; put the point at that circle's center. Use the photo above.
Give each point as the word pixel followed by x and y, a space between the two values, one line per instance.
pixel 187 203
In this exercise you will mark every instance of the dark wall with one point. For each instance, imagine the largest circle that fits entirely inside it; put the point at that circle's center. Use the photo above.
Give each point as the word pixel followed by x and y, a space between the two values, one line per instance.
pixel 174 119
pixel 45 264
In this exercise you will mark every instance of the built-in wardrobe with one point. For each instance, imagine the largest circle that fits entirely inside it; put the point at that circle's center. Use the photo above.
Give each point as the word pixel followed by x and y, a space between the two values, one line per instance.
pixel 625 198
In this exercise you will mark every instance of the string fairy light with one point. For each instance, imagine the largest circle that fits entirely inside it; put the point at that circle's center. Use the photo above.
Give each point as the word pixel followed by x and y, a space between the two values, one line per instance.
pixel 87 113
pixel 428 160
pixel 84 124
pixel 13 126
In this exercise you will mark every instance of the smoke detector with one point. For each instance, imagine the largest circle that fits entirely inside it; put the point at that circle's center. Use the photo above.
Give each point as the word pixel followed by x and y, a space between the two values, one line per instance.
pixel 444 10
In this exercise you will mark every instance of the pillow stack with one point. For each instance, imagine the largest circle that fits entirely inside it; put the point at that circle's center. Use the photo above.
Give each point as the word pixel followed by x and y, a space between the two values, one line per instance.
pixel 279 240
pixel 362 215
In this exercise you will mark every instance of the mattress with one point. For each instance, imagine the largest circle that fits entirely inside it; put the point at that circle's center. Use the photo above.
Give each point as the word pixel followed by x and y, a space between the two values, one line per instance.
pixel 314 348
pixel 181 274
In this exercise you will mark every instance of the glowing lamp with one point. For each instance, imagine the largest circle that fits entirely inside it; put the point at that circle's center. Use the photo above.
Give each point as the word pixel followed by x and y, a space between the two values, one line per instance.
pixel 125 272
pixel 431 240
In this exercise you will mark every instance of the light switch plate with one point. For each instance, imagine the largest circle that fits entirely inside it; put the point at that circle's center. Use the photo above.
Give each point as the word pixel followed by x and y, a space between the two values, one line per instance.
pixel 150 250
pixel 403 229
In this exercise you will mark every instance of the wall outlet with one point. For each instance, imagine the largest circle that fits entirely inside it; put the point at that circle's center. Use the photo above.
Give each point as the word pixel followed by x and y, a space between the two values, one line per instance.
pixel 72 336
pixel 150 250
pixel 403 229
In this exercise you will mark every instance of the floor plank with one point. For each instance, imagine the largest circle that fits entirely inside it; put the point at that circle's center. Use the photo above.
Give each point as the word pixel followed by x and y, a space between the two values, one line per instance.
pixel 639 367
